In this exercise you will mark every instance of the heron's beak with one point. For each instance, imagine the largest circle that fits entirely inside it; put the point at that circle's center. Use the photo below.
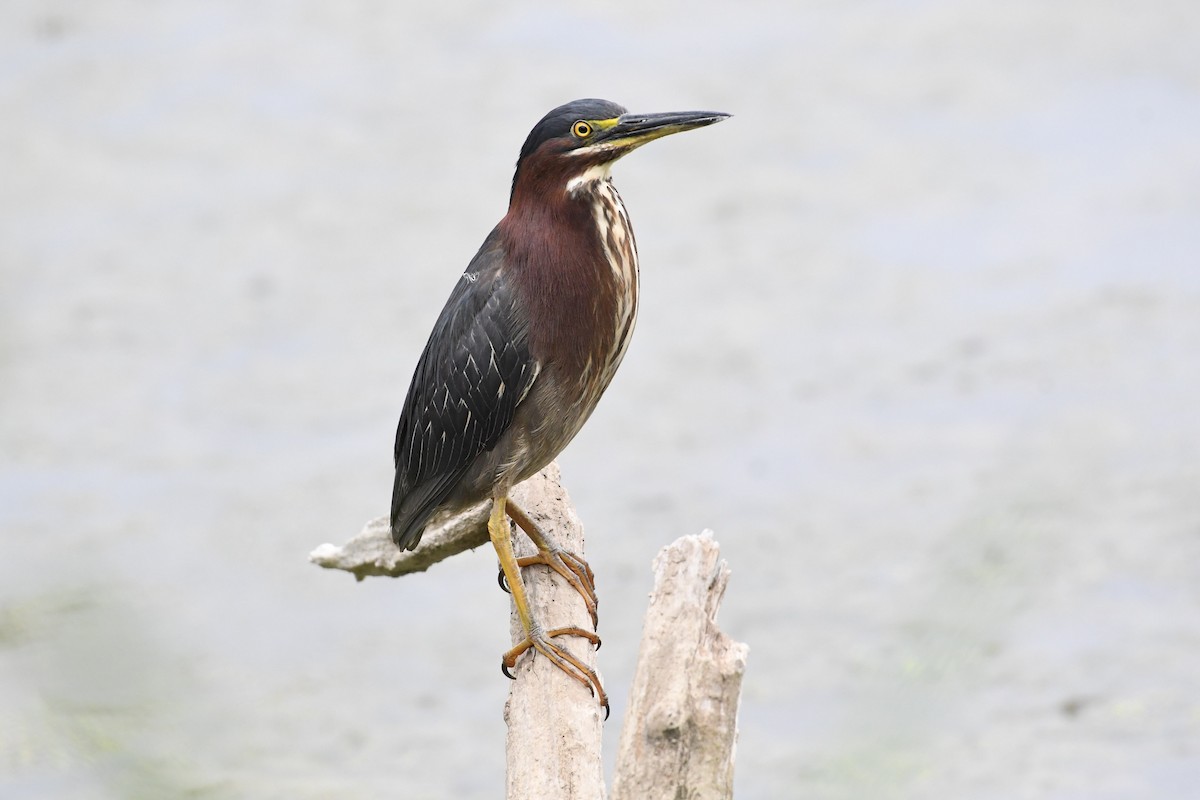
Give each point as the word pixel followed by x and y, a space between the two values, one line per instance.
pixel 634 130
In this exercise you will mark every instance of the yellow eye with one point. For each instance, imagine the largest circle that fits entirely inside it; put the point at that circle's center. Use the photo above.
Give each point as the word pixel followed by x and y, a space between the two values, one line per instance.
pixel 581 129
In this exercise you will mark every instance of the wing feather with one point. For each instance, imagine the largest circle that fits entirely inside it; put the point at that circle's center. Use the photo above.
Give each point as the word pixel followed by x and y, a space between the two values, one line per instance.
pixel 472 375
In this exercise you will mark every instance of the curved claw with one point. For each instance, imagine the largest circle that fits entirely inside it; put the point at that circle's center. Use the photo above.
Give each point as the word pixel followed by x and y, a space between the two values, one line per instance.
pixel 509 675
pixel 570 566
pixel 574 668
pixel 500 579
pixel 574 571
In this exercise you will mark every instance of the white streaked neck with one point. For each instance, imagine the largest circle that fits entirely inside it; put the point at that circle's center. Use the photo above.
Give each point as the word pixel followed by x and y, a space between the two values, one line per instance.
pixel 593 174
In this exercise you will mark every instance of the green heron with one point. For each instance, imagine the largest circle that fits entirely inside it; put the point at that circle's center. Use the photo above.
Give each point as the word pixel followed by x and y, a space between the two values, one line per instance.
pixel 528 341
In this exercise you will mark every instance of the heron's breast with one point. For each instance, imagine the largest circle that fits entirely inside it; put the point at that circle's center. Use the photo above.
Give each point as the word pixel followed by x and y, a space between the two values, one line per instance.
pixel 619 250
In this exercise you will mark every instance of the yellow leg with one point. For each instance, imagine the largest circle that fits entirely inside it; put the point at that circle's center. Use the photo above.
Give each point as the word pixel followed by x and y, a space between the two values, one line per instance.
pixel 502 540
pixel 535 636
pixel 571 567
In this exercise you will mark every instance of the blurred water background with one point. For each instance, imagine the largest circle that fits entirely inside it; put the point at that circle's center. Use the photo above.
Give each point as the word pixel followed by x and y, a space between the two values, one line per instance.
pixel 919 340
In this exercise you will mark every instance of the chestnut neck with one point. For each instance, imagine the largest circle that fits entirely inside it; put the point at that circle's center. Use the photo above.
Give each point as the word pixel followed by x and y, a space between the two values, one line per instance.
pixel 555 256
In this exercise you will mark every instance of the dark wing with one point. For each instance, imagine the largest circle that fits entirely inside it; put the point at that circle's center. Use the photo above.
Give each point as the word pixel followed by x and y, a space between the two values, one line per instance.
pixel 474 371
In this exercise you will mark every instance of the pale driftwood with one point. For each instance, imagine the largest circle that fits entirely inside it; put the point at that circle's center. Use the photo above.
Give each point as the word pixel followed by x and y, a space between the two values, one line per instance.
pixel 680 729
pixel 554 724
pixel 372 551
pixel 681 724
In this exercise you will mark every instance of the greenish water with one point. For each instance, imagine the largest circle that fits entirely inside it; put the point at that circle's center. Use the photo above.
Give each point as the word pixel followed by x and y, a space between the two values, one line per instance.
pixel 918 340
